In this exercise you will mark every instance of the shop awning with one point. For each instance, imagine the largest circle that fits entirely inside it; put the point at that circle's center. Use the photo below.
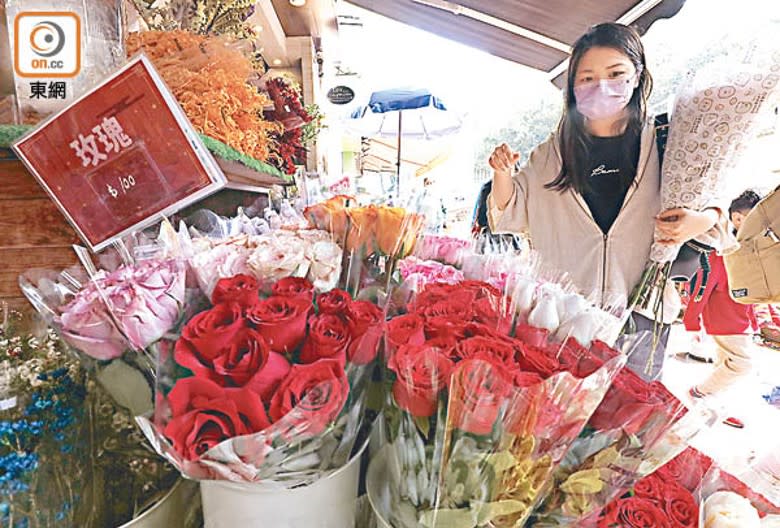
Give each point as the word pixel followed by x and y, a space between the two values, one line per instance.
pixel 536 33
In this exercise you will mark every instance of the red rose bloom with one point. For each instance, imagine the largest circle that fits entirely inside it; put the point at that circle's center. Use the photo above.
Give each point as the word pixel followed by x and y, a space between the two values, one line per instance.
pixel 530 335
pixel 406 329
pixel 334 302
pixel 681 507
pixel 245 362
pixel 328 339
pixel 628 404
pixel 205 415
pixel 445 344
pixel 633 512
pixel 431 294
pixel 652 488
pixel 249 362
pixel 494 313
pixel 240 289
pixel 538 360
pixel 687 469
pixel 501 351
pixel 479 389
pixel 366 327
pixel 578 360
pixel 311 396
pixel 209 332
pixel 293 287
pixel 422 373
pixel 281 321
pixel 446 317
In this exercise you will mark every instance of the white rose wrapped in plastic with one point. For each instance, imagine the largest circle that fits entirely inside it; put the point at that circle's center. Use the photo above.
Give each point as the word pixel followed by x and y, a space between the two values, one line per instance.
pixel 726 509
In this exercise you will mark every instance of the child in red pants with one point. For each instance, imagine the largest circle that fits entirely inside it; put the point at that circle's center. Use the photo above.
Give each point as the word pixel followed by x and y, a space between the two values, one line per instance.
pixel 732 325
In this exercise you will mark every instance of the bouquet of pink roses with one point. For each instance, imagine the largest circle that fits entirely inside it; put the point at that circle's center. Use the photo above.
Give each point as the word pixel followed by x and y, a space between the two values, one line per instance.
pixel 111 318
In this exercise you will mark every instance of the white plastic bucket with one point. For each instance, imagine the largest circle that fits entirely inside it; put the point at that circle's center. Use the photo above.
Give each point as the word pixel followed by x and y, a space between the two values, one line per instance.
pixel 170 511
pixel 328 503
pixel 377 489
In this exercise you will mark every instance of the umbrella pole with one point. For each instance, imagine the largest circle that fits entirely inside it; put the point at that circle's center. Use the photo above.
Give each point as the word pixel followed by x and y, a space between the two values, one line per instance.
pixel 398 162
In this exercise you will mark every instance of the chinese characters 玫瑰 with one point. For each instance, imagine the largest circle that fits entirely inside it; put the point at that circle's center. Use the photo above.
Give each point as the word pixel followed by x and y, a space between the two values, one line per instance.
pixel 111 136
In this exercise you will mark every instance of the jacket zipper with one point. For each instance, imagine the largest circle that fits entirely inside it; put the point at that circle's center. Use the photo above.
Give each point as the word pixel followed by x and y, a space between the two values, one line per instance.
pixel 629 196
pixel 604 269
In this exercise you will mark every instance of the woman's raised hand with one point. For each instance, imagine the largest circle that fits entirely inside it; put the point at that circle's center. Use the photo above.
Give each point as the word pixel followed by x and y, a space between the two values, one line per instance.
pixel 503 159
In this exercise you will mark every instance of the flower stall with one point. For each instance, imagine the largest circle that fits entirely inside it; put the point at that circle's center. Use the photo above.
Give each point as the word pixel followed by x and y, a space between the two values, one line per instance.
pixel 176 352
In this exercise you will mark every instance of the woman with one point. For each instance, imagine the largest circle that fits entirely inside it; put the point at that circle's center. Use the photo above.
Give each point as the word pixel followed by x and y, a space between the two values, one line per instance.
pixel 589 197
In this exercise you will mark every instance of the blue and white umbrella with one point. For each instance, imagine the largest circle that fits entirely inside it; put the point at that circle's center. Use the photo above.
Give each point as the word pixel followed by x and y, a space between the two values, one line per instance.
pixel 411 113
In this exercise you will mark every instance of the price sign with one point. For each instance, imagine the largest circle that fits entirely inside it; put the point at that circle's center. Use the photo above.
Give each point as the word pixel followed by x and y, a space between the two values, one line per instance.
pixel 121 157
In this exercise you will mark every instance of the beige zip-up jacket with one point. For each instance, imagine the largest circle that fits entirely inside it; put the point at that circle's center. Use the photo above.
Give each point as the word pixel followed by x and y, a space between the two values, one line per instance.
pixel 562 230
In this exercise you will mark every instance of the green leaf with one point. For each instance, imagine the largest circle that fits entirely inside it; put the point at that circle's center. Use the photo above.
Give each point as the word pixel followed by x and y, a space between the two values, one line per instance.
pixel 423 425
pixel 447 518
pixel 489 511
pixel 127 386
pixel 229 153
pixel 584 482
pixel 501 461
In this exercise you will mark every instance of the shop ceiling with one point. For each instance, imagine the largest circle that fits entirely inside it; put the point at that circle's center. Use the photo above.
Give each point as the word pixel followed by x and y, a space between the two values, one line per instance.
pixel 536 33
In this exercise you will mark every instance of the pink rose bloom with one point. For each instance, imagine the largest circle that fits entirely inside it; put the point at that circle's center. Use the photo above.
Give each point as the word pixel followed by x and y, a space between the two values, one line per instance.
pixel 87 326
pixel 148 301
pixel 145 301
pixel 445 249
pixel 418 273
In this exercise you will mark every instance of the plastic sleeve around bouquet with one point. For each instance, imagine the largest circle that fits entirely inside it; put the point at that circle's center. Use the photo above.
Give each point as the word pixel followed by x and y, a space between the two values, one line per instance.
pixel 637 428
pixel 277 245
pixel 749 500
pixel 379 230
pixel 545 299
pixel 477 416
pixel 113 316
pixel 716 114
pixel 265 386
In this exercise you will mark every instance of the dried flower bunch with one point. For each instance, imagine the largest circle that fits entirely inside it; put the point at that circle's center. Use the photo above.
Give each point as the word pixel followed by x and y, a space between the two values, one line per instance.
pixel 208 76
pixel 205 17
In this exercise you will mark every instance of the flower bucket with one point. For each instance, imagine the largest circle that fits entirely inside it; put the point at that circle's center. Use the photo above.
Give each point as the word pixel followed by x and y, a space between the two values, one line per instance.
pixel 330 502
pixel 170 511
pixel 377 489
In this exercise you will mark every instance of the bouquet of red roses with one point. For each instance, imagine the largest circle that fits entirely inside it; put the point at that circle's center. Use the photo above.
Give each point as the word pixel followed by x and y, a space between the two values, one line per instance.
pixel 637 428
pixel 265 386
pixel 477 418
pixel 664 499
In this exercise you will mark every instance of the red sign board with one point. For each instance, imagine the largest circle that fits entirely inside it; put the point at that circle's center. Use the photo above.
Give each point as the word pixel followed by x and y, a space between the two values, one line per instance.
pixel 121 157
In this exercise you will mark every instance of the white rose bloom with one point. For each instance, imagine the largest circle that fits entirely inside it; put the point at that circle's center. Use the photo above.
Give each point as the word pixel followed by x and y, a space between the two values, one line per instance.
pixel 325 265
pixel 725 509
pixel 545 314
pixel 279 257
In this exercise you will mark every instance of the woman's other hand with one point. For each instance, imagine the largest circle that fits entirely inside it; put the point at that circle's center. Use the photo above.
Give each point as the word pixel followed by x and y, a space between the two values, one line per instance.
pixel 503 159
pixel 677 226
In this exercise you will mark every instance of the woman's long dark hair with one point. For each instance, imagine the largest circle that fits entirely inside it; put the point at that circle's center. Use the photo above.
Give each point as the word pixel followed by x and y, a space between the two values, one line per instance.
pixel 573 137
